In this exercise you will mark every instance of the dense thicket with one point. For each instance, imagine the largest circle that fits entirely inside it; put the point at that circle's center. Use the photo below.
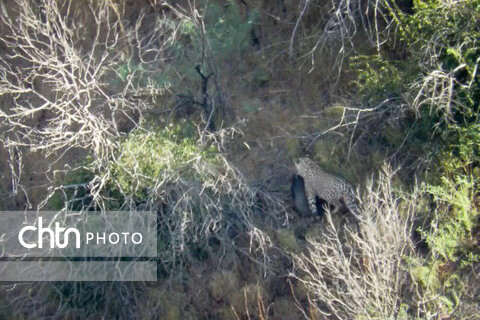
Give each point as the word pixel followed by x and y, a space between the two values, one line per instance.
pixel 197 109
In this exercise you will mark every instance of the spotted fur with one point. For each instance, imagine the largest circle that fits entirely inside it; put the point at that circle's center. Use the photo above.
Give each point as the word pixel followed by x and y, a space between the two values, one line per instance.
pixel 326 186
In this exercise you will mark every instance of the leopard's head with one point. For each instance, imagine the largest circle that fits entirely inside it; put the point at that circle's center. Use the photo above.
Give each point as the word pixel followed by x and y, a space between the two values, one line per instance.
pixel 302 164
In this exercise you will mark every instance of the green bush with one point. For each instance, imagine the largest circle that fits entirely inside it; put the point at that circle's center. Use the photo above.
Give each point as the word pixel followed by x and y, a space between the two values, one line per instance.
pixel 455 196
pixel 450 231
pixel 444 39
pixel 286 240
pixel 434 90
pixel 378 78
pixel 463 152
pixel 227 31
pixel 146 157
pixel 225 36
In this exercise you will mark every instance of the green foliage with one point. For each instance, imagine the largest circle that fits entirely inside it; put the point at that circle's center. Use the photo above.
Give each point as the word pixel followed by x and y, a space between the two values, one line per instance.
pixel 225 36
pixel 378 78
pixel 444 37
pixel 163 154
pixel 227 32
pixel 463 152
pixel 450 235
pixel 140 76
pixel 187 27
pixel 450 232
pixel 444 19
pixel 440 283
pixel 439 80
pixel 286 240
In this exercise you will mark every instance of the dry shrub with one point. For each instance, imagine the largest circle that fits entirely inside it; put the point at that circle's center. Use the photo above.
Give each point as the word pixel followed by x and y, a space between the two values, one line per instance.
pixel 73 76
pixel 223 284
pixel 248 302
pixel 202 200
pixel 77 76
pixel 334 30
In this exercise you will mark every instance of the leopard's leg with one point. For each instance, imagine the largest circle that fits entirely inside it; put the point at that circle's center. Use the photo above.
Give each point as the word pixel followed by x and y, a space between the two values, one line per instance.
pixel 337 205
pixel 311 199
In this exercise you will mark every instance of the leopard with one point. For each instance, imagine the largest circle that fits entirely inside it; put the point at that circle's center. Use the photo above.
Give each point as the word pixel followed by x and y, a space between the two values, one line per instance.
pixel 300 203
pixel 334 190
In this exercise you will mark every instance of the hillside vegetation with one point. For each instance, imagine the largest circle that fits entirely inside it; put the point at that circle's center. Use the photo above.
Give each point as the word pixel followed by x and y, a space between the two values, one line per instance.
pixel 197 110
